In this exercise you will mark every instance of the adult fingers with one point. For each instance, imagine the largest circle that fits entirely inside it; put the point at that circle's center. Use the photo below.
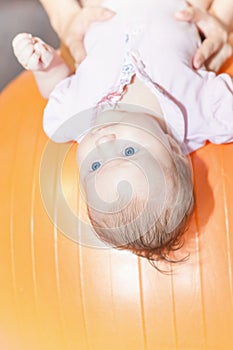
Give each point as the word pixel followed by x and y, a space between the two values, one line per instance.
pixel 217 60
pixel 215 34
pixel 206 23
pixel 191 14
pixel 75 33
pixel 206 50
pixel 96 14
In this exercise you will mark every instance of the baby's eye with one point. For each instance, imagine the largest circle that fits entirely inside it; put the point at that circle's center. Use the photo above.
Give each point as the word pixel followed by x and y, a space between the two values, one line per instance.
pixel 95 166
pixel 129 151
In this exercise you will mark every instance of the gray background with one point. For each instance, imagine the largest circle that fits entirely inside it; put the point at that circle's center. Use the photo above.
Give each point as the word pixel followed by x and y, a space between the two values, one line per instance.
pixel 20 16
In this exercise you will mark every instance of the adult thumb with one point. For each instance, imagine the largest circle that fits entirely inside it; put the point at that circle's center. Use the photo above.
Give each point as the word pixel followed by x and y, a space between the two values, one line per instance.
pixel 99 14
pixel 191 14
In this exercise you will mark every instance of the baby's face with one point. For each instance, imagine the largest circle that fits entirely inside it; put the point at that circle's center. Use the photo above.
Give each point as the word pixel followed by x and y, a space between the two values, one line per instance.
pixel 125 152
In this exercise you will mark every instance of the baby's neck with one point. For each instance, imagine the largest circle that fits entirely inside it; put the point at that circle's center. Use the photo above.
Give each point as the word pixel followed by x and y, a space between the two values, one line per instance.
pixel 138 93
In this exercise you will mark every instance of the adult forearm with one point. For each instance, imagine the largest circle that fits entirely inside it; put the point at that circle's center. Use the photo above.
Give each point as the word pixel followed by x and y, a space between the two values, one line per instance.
pixel 223 10
pixel 203 4
pixel 60 13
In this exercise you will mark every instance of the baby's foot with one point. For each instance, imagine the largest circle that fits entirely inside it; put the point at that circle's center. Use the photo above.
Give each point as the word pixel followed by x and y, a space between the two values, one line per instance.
pixel 31 52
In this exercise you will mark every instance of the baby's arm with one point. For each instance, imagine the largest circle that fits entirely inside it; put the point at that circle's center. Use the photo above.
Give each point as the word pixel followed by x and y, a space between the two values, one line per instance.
pixel 44 61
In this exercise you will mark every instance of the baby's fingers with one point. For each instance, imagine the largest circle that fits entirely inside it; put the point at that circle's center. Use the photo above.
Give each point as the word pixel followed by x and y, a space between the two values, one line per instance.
pixel 20 43
pixel 33 62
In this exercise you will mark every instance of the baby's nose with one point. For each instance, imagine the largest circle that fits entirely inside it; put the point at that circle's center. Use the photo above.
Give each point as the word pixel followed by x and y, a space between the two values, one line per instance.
pixel 105 138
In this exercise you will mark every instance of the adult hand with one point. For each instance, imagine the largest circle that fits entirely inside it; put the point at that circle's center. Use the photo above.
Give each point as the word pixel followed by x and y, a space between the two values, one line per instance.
pixel 215 48
pixel 74 32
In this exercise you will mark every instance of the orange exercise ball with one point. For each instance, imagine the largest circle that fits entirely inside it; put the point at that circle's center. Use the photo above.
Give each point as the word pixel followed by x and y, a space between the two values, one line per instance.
pixel 58 294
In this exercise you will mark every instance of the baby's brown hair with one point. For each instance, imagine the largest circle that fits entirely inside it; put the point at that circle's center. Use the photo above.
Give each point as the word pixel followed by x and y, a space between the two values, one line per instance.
pixel 138 227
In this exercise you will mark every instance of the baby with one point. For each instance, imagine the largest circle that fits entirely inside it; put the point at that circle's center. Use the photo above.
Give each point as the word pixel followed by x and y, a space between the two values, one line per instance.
pixel 137 107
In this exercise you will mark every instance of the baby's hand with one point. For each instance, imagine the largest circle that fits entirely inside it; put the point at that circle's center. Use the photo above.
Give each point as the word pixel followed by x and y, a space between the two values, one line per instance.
pixel 74 32
pixel 215 48
pixel 31 52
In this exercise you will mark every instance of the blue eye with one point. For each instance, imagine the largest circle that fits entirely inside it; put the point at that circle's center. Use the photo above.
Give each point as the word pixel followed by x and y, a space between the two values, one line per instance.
pixel 129 151
pixel 95 166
